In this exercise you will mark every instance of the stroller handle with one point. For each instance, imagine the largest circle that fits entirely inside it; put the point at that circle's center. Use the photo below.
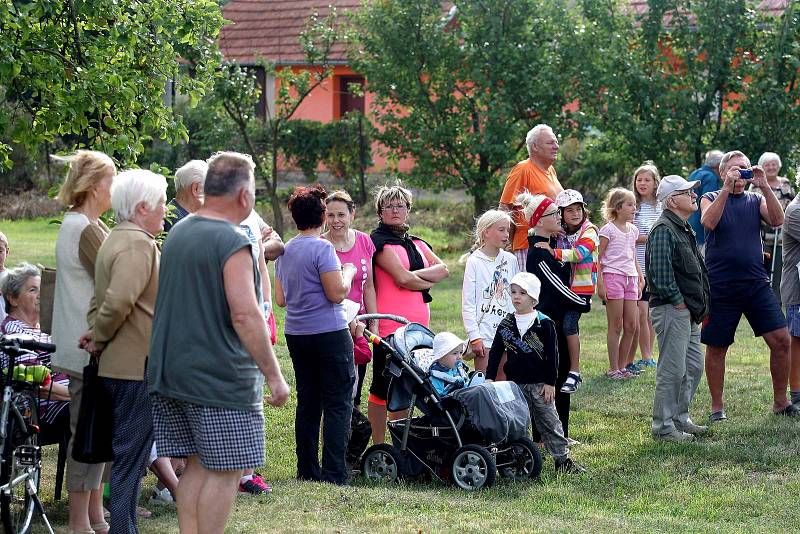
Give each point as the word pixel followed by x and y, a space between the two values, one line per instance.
pixel 386 316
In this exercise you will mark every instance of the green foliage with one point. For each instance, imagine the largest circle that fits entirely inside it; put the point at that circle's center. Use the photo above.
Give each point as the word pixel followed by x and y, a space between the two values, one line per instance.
pixel 237 93
pixel 768 118
pixel 94 72
pixel 666 82
pixel 343 146
pixel 458 94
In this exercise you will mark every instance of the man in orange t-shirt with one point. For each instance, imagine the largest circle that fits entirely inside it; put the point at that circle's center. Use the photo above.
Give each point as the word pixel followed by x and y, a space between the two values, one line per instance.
pixel 535 175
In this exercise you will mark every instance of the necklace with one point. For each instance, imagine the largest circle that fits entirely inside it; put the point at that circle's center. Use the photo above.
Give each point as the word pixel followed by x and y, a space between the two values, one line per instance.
pixel 347 245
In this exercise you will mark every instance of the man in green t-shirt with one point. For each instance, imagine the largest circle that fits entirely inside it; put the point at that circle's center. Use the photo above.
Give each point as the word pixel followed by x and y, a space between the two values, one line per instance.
pixel 210 349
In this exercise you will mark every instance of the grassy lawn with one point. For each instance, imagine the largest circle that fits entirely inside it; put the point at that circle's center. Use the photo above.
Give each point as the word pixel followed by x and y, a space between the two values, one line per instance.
pixel 745 476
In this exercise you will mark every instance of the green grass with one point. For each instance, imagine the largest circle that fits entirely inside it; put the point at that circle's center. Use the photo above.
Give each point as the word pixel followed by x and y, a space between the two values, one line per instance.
pixel 745 476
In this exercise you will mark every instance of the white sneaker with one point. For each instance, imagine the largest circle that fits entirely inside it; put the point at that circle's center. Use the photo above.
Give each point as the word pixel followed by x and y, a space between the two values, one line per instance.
pixel 161 496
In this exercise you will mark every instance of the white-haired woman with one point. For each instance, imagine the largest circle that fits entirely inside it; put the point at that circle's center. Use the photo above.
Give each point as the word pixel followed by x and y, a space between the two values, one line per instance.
pixel 86 193
pixel 126 281
pixel 771 237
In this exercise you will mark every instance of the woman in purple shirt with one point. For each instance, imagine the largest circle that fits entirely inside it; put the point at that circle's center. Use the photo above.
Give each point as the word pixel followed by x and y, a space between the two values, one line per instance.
pixel 311 284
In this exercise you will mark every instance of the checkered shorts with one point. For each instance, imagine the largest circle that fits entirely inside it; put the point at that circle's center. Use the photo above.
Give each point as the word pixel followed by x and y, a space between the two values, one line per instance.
pixel 522 258
pixel 225 440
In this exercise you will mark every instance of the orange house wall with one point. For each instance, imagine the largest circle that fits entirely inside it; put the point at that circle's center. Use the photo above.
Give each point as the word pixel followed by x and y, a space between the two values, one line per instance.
pixel 322 104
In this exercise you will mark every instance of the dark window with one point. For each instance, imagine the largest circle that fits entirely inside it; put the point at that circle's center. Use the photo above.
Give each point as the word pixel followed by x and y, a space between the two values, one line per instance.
pixel 261 81
pixel 347 100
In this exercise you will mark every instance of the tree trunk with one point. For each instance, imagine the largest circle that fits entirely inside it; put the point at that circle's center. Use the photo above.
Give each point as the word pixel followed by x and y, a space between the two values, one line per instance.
pixel 479 201
pixel 362 163
pixel 277 212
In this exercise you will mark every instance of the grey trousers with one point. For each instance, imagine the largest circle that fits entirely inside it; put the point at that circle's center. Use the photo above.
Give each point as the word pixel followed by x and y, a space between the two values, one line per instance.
pixel 680 367
pixel 545 418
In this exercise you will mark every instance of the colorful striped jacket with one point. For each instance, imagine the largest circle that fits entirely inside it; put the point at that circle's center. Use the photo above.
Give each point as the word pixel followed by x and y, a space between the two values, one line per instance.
pixel 581 249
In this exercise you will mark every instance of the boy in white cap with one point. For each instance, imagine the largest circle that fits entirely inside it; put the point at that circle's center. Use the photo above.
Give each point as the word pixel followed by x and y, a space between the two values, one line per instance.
pixel 528 339
pixel 448 372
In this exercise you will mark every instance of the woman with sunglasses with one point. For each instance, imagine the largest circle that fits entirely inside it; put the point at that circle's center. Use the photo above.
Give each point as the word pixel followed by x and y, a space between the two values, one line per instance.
pixel 405 268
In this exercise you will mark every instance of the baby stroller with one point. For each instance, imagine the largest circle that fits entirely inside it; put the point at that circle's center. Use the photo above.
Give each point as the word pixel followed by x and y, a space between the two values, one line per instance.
pixel 467 437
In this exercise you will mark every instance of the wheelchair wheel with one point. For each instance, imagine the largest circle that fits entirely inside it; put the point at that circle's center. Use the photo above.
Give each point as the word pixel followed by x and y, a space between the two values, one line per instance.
pixel 382 462
pixel 521 461
pixel 473 468
pixel 20 455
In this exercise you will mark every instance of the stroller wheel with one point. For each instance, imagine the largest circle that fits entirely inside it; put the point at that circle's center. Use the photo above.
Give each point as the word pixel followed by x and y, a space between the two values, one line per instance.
pixel 521 461
pixel 381 463
pixel 473 468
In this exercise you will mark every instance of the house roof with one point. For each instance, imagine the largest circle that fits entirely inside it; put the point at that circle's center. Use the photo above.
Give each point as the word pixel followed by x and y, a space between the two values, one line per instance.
pixel 270 29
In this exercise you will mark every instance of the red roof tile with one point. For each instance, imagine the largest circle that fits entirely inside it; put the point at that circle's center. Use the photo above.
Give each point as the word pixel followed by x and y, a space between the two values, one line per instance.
pixel 270 28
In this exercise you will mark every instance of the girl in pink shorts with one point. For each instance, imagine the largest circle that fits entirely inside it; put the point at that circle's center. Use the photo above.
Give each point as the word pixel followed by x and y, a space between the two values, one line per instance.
pixel 620 280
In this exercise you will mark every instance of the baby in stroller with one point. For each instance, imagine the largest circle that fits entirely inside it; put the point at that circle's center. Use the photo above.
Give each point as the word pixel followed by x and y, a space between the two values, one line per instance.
pixel 449 372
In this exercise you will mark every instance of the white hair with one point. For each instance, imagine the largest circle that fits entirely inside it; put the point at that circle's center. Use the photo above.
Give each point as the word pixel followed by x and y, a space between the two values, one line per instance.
pixel 130 188
pixel 533 135
pixel 766 157
pixel 193 171
pixel 713 157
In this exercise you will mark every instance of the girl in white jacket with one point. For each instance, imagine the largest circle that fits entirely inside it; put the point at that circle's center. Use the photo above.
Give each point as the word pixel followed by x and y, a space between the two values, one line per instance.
pixel 485 297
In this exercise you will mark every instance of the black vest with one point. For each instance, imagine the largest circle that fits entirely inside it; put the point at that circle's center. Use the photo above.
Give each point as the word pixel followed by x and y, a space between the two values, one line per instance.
pixel 687 264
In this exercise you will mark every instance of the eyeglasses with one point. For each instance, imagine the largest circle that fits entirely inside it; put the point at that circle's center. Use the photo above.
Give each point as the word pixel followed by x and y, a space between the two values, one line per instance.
pixel 395 207
pixel 551 214
pixel 688 193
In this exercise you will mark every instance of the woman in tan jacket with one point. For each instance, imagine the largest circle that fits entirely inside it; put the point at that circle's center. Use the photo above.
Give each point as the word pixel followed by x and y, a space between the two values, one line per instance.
pixel 126 281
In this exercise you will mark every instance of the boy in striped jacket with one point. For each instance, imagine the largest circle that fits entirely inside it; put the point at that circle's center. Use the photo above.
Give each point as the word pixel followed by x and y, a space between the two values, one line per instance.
pixel 578 247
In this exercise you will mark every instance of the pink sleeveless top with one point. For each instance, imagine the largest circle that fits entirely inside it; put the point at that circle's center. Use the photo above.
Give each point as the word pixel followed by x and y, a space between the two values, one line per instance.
pixel 398 300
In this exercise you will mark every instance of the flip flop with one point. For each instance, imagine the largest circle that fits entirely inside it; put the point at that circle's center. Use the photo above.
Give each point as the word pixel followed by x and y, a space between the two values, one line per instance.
pixel 790 410
pixel 718 416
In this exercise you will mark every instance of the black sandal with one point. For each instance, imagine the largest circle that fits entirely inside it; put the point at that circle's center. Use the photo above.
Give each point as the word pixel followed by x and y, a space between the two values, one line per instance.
pixel 718 416
pixel 790 410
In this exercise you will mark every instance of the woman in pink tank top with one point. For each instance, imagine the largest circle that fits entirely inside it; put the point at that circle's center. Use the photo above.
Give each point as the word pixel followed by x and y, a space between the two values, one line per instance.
pixel 405 268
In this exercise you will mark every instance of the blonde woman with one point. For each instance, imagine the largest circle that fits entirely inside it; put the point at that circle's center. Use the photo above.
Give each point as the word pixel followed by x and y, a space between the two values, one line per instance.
pixel 645 184
pixel 405 270
pixel 86 193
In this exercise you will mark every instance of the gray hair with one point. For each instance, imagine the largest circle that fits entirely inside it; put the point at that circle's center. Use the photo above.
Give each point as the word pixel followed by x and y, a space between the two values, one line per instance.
pixel 713 157
pixel 227 173
pixel 16 279
pixel 193 171
pixel 130 188
pixel 766 157
pixel 533 135
pixel 723 163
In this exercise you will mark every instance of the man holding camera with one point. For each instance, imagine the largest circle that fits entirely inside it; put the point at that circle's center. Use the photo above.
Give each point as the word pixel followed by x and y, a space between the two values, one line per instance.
pixel 739 282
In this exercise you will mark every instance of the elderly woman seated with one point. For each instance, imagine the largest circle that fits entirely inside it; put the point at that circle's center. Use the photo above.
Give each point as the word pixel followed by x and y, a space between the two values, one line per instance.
pixel 21 291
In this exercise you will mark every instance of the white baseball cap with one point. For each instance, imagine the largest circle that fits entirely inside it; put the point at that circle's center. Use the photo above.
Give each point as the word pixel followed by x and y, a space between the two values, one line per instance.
pixel 671 184
pixel 529 282
pixel 444 343
pixel 568 197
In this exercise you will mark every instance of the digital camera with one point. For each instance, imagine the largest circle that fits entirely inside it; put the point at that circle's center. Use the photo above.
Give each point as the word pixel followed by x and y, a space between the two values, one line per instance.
pixel 746 174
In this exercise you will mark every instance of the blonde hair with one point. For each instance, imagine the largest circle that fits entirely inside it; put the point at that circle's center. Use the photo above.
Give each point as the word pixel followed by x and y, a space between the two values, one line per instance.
pixel 614 201
pixel 4 239
pixel 647 166
pixel 86 169
pixel 529 203
pixel 385 194
pixel 484 222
